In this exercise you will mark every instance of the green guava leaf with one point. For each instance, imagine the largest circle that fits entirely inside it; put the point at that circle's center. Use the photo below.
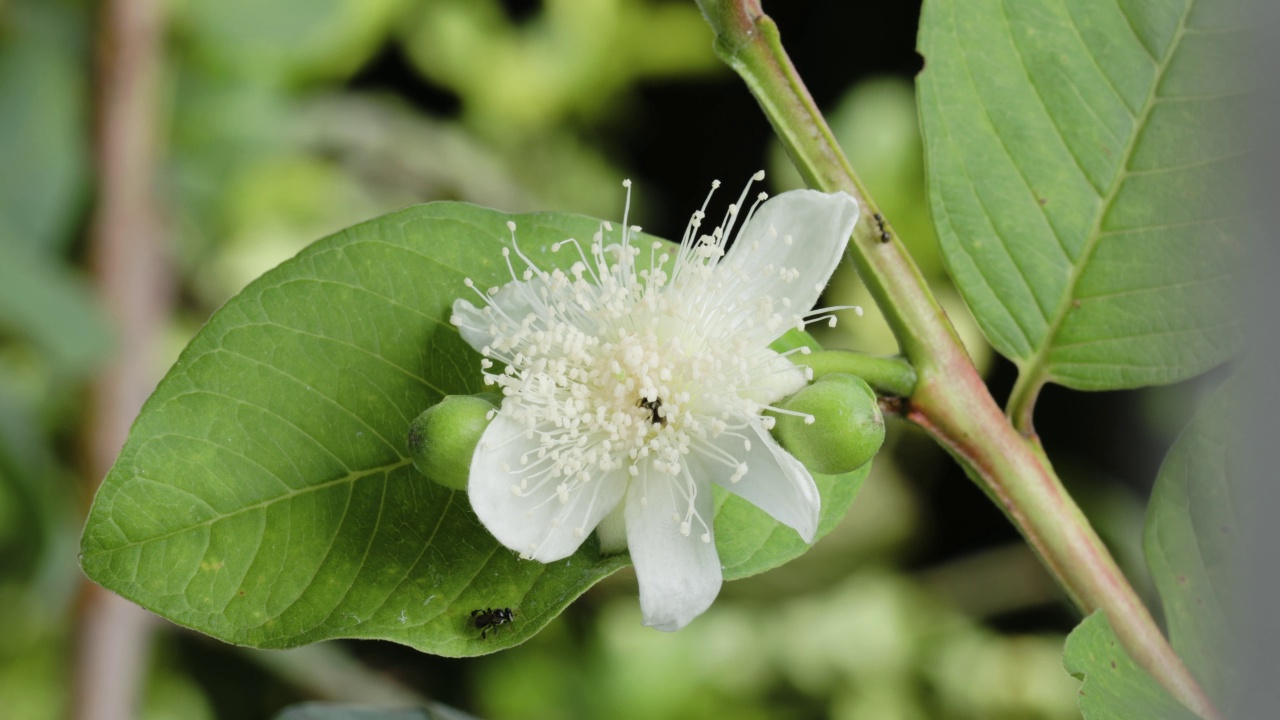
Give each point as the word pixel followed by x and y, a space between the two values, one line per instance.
pixel 266 496
pixel 1114 687
pixel 50 306
pixel 758 543
pixel 1191 540
pixel 43 125
pixel 290 39
pixel 1082 175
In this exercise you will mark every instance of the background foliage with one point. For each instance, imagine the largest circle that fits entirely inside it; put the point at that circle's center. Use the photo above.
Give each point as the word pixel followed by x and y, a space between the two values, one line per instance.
pixel 286 121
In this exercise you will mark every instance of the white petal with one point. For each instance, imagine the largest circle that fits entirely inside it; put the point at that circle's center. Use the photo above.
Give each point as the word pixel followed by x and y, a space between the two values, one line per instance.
pixel 472 324
pixel 775 482
pixel 775 377
pixel 679 576
pixel 536 524
pixel 511 304
pixel 819 225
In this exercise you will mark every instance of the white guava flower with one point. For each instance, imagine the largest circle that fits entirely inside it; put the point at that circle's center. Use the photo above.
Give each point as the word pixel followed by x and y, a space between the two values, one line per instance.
pixel 628 391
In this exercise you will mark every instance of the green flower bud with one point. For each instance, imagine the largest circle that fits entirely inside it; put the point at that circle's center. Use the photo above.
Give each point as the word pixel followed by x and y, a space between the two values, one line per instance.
pixel 444 437
pixel 846 429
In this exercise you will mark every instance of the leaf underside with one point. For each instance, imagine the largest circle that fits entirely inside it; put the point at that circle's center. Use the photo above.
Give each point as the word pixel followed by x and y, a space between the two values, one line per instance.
pixel 1191 539
pixel 1114 687
pixel 265 495
pixel 1192 533
pixel 1082 163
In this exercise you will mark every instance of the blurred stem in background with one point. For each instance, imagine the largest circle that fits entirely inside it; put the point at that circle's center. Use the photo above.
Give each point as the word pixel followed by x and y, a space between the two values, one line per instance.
pixel 133 283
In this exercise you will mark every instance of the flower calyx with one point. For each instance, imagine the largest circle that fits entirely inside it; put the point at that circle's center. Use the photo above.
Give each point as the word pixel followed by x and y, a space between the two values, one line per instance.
pixel 837 426
pixel 443 439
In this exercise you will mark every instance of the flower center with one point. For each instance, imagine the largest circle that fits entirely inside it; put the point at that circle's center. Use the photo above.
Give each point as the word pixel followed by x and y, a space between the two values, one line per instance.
pixel 609 366
pixel 654 407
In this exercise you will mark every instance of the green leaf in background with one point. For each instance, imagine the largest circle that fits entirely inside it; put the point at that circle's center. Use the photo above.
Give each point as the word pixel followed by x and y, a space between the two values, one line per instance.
pixel 1191 535
pixel 1081 173
pixel 43 124
pixel 46 304
pixel 265 495
pixel 291 40
pixel 333 711
pixel 1114 687
pixel 1191 540
pixel 570 58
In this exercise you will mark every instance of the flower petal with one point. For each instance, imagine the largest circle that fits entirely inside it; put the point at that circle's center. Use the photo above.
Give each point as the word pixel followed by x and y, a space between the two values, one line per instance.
pixel 679 575
pixel 775 376
pixel 775 481
pixel 472 324
pixel 479 326
pixel 819 225
pixel 536 523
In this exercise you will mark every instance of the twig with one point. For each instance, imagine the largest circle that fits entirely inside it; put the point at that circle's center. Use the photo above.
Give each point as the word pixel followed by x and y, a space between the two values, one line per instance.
pixel 949 399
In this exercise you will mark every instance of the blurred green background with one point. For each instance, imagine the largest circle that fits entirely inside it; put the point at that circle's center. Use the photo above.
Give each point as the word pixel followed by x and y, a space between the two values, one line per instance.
pixel 280 122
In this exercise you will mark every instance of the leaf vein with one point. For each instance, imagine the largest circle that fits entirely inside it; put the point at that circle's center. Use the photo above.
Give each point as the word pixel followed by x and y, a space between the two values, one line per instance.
pixel 1036 366
pixel 352 477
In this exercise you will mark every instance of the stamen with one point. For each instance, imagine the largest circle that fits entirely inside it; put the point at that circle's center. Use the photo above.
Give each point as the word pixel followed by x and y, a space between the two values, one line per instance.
pixel 615 374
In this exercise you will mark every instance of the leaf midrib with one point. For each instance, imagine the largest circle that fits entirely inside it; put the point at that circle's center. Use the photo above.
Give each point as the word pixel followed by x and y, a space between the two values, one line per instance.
pixel 1033 373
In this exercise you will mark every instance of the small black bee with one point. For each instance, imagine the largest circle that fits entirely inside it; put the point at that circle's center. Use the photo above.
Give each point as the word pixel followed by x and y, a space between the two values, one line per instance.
pixel 490 619
pixel 653 406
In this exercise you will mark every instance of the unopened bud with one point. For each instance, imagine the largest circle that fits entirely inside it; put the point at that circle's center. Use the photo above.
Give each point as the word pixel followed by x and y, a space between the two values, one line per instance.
pixel 847 428
pixel 444 437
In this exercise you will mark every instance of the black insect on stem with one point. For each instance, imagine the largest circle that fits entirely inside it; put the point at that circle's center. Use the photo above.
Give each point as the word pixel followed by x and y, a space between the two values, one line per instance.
pixel 653 406
pixel 883 226
pixel 491 619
